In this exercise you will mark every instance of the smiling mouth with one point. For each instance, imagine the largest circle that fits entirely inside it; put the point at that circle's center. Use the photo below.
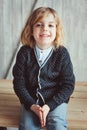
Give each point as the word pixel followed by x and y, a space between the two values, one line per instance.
pixel 44 35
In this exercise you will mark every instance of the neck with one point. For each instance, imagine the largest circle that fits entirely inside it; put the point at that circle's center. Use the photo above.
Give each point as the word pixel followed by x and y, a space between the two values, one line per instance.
pixel 43 47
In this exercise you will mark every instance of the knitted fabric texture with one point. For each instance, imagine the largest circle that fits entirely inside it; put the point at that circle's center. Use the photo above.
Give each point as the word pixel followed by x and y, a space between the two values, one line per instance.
pixel 53 82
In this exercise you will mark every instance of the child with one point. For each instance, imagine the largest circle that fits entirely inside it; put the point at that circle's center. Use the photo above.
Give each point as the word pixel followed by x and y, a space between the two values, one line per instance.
pixel 43 73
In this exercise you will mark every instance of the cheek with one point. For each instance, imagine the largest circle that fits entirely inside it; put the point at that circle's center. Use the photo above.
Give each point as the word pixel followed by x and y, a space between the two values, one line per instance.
pixel 35 32
pixel 54 33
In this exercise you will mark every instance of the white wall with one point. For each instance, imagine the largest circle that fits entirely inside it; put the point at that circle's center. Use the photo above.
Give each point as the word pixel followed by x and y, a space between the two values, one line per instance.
pixel 13 14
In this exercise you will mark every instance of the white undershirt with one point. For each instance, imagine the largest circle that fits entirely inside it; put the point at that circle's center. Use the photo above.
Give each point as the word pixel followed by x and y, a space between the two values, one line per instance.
pixel 42 54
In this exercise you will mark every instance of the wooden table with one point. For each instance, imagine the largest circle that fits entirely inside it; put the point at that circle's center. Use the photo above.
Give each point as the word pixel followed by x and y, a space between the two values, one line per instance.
pixel 10 106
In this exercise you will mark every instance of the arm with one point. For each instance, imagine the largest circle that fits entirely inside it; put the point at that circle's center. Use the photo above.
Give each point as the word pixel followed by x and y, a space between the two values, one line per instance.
pixel 67 81
pixel 19 81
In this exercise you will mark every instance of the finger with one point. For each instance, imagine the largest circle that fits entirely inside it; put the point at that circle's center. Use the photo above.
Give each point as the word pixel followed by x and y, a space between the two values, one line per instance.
pixel 41 118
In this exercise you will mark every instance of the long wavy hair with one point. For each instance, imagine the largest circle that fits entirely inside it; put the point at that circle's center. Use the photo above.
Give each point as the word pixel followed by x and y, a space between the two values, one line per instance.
pixel 27 33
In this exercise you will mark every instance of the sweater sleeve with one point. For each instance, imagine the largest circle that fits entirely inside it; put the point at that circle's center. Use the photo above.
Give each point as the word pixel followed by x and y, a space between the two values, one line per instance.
pixel 19 80
pixel 67 80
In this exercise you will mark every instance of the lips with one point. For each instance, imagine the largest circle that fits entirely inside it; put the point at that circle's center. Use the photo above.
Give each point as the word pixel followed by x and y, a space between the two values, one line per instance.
pixel 44 35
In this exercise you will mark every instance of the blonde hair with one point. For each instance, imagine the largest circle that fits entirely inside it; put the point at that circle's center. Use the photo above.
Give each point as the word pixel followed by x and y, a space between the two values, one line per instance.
pixel 27 33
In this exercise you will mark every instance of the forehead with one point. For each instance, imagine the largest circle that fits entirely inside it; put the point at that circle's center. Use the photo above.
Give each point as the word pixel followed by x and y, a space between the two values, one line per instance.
pixel 46 16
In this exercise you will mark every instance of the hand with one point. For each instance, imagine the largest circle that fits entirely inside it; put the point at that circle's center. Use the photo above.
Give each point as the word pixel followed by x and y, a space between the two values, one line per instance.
pixel 45 111
pixel 37 110
pixel 41 112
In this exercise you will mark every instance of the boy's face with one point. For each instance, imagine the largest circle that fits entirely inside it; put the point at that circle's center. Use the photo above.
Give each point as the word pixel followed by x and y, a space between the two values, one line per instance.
pixel 44 31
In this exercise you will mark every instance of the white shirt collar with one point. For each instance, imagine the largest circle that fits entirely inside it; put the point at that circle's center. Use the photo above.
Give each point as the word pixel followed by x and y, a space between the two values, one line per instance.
pixel 44 50
pixel 42 54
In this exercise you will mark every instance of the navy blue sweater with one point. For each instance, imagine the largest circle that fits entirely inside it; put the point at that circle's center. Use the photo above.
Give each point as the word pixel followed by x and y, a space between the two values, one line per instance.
pixel 53 82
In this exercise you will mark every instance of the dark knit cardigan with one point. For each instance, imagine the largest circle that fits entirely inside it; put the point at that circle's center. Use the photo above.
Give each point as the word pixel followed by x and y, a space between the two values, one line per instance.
pixel 53 82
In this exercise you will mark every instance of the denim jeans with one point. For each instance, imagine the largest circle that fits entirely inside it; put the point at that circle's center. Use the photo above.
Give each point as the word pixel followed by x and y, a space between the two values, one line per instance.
pixel 56 119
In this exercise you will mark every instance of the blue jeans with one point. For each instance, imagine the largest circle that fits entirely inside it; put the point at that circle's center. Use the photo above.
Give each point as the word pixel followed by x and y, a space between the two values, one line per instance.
pixel 56 119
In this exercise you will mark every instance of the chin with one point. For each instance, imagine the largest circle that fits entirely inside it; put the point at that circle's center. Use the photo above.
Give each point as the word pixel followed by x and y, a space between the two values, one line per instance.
pixel 45 44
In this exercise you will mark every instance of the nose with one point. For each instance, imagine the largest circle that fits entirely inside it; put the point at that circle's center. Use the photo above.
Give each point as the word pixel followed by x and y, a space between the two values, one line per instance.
pixel 45 27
